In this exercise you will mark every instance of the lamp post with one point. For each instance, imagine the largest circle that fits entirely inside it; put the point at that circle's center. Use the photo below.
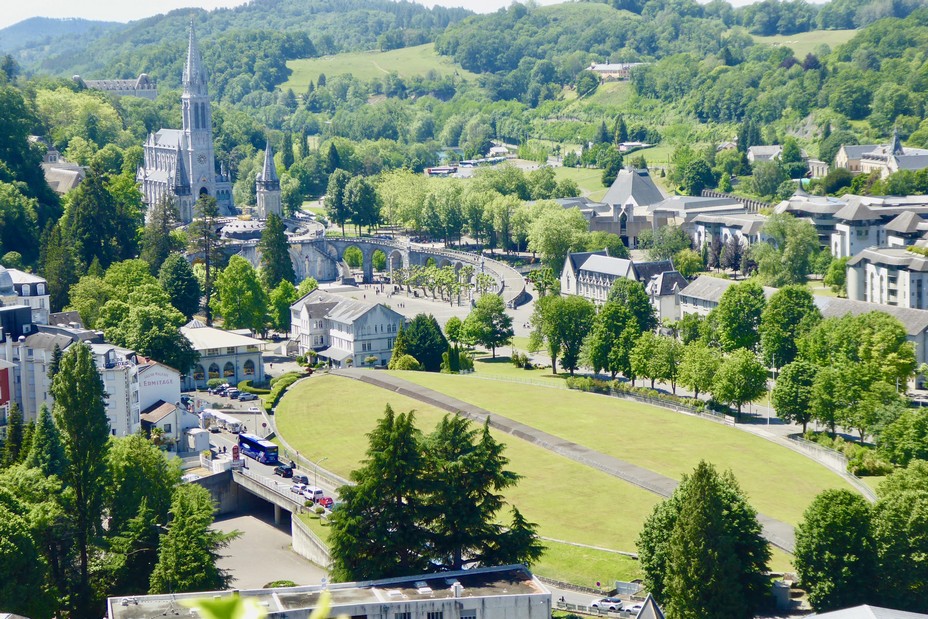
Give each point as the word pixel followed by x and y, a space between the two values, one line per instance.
pixel 316 470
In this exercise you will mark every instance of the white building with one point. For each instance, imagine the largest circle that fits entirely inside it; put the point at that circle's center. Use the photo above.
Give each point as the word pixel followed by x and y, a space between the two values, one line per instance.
pixel 857 227
pixel 591 275
pixel 889 276
pixel 507 592
pixel 745 226
pixel 344 331
pixel 32 291
pixel 172 421
pixel 223 354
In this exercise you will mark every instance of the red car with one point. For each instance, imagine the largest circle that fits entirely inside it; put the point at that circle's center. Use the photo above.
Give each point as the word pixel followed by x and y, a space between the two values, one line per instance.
pixel 326 502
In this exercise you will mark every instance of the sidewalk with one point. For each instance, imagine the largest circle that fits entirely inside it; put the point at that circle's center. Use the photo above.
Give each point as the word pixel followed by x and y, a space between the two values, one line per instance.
pixel 776 532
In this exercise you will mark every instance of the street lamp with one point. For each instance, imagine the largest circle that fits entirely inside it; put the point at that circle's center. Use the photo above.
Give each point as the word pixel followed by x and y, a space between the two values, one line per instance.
pixel 316 470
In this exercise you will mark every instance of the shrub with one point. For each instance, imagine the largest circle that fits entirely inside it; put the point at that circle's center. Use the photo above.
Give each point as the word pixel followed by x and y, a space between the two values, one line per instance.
pixel 245 386
pixel 406 362
pixel 593 385
pixel 278 386
pixel 215 382
pixel 276 584
pixel 862 460
pixel 319 510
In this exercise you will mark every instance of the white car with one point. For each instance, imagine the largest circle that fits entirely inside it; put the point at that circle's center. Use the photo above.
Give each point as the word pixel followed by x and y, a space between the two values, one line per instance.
pixel 635 608
pixel 610 603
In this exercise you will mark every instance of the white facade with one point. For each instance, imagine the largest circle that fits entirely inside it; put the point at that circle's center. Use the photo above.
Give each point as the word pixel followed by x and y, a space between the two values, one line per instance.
pixel 889 276
pixel 344 331
pixel 223 354
pixel 32 291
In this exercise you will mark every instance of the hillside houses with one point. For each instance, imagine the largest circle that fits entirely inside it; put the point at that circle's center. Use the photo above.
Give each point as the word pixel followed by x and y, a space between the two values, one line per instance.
pixel 883 158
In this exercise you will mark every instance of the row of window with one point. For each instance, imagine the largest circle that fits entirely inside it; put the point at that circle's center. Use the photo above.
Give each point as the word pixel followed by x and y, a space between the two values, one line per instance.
pixel 437 614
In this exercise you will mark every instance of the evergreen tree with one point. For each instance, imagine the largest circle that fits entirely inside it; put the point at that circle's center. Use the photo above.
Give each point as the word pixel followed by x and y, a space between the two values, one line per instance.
pixel 28 434
pixel 59 266
pixel 286 151
pixel 178 280
pixel 130 561
pixel 206 243
pixel 399 348
pixel 188 553
pixel 80 414
pixel 335 204
pixel 55 363
pixel 602 135
pixel 379 530
pixel 276 265
pixel 12 446
pixel 157 242
pixel 333 160
pixel 620 132
pixel 90 221
pixel 425 341
pixel 46 451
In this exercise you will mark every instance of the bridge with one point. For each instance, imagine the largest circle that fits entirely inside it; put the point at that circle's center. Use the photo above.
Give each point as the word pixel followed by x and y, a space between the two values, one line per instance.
pixel 322 257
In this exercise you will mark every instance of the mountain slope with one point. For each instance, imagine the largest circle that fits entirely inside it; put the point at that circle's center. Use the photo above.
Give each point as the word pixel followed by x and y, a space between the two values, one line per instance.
pixel 36 32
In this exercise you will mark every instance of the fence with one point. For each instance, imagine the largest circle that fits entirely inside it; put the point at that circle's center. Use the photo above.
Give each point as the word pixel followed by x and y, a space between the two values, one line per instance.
pixel 834 460
pixel 752 205
pixel 596 612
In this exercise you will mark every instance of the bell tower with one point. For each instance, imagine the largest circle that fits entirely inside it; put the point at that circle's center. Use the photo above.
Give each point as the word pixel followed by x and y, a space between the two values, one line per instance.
pixel 197 122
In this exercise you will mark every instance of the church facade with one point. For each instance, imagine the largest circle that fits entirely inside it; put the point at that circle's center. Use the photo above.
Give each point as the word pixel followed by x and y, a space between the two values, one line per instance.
pixel 180 164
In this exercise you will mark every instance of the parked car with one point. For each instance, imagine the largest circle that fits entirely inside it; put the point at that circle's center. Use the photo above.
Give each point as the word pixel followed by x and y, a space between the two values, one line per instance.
pixel 635 608
pixel 284 470
pixel 215 429
pixel 326 502
pixel 313 493
pixel 608 603
pixel 233 393
pixel 247 397
pixel 300 479
pixel 297 488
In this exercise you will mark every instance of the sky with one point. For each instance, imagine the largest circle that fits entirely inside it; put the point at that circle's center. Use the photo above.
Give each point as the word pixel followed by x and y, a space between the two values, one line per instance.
pixel 122 10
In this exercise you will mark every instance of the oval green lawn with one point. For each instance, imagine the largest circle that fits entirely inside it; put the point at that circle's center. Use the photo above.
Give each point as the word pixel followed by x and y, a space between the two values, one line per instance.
pixel 778 481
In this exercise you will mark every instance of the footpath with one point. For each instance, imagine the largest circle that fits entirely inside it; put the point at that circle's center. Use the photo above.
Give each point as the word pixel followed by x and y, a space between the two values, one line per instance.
pixel 778 533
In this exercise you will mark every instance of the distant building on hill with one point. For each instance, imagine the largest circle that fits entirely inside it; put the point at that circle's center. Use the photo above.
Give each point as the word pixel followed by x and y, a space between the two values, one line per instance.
pixel 883 158
pixel 143 86
pixel 614 70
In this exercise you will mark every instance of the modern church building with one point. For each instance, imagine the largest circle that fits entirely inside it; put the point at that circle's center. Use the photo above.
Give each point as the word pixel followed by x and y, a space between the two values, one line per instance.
pixel 180 163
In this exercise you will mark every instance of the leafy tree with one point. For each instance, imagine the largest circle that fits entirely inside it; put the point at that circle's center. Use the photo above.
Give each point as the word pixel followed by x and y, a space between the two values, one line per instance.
pixel 132 554
pixel 656 357
pixel 836 276
pixel 767 177
pixel 380 529
pixel 835 553
pixel 157 241
pixel 46 452
pixel 335 205
pixel 306 286
pixel 688 263
pixel 732 254
pixel 488 324
pixel 696 175
pixel 80 414
pixel 702 551
pixel 789 314
pixel 561 324
pixel 632 295
pixel 276 265
pixel 788 258
pixel 188 553
pixel 178 280
pixel 454 330
pixel 206 243
pixel 424 340
pixel 360 202
pixel 611 340
pixel 698 367
pixel 280 299
pixel 792 394
pixel 18 225
pixel 904 440
pixel 23 570
pixel 139 473
pixel 836 389
pixel 241 301
pixel 740 379
pixel 612 243
pixel 900 532
pixel 154 331
pixel 738 316
pixel 668 241
pixel 553 232
pixel 59 265
pixel 12 446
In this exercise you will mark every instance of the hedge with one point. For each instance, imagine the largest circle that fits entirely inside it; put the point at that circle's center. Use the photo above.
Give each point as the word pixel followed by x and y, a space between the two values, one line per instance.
pixel 278 386
pixel 593 385
pixel 245 386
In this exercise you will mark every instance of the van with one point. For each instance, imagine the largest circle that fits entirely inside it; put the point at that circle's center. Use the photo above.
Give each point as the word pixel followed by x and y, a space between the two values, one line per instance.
pixel 313 493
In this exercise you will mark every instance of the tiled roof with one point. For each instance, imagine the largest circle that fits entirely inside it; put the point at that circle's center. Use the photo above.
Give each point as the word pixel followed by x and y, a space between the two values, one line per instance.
pixel 633 186
pixel 869 612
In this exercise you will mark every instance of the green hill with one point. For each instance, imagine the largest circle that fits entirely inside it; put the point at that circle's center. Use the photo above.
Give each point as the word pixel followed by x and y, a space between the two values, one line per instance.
pixel 407 62
pixel 805 42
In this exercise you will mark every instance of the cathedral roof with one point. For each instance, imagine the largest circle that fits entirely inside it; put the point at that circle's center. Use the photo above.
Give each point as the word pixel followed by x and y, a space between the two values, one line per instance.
pixel 268 173
pixel 172 138
pixel 194 73
pixel 180 171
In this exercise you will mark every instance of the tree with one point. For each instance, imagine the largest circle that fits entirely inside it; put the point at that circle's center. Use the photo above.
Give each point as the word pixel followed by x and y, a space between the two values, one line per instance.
pixel 554 231
pixel 55 363
pixel 276 265
pixel 132 554
pixel 632 295
pixel 732 253
pixel 561 324
pixel 767 177
pixel 466 474
pixel 488 324
pixel 361 204
pixel 612 243
pixel 18 225
pixel 900 531
pixel 335 205
pixel 80 414
pixel 424 340
pixel 698 367
pixel 12 446
pixel 668 241
pixel 90 221
pixel 738 316
pixel 241 301
pixel 740 379
pixel 23 589
pixel 280 299
pixel 611 340
pixel 836 276
pixel 696 175
pixel 656 357
pixel 306 286
pixel 787 259
pixel 206 243
pixel 188 553
pixel 454 330
pixel 178 280
pixel 139 473
pixel 789 314
pixel 46 452
pixel 792 394
pixel 702 551
pixel 59 265
pixel 835 554
pixel 380 528
pixel 157 241
pixel 689 263
pixel 154 331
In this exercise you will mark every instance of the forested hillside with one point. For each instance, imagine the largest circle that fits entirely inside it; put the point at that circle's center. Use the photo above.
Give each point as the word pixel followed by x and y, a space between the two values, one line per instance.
pixel 39 31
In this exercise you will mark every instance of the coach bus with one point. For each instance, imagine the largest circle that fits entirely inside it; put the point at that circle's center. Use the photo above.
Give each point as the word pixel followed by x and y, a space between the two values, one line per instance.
pixel 255 447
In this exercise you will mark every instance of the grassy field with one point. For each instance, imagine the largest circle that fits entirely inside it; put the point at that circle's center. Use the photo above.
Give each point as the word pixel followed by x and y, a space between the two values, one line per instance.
pixel 408 62
pixel 585 566
pixel 806 42
pixel 588 179
pixel 817 287
pixel 779 482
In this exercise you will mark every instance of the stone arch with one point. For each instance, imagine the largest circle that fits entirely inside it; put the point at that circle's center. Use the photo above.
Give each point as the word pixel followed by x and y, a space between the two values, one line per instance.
pixel 443 262
pixel 214 370
pixel 204 191
pixel 199 374
pixel 248 369
pixel 228 370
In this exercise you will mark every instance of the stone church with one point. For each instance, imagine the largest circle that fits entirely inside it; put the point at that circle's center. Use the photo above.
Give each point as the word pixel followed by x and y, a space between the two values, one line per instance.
pixel 180 163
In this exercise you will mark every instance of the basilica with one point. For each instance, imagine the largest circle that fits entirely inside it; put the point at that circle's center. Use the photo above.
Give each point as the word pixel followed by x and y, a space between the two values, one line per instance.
pixel 180 163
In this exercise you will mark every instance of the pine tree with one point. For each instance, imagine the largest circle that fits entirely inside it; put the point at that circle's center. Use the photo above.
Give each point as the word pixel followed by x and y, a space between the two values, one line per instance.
pixel 205 241
pixel 133 554
pixel 619 132
pixel 276 264
pixel 90 221
pixel 333 160
pixel 80 413
pixel 286 151
pixel 399 348
pixel 28 435
pixel 46 452
pixel 178 280
pixel 55 363
pixel 157 242
pixel 12 446
pixel 59 267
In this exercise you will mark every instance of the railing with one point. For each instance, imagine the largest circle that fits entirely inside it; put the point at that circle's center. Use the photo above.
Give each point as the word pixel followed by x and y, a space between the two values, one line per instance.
pixel 596 612
pixel 834 460
pixel 274 486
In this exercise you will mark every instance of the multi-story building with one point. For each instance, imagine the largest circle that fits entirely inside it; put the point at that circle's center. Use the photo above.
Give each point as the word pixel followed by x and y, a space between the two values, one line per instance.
pixel 889 276
pixel 32 291
pixel 747 227
pixel 223 354
pixel 344 331
pixel 857 227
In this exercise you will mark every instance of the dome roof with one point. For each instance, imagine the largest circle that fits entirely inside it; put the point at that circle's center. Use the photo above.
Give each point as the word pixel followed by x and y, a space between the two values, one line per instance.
pixel 6 283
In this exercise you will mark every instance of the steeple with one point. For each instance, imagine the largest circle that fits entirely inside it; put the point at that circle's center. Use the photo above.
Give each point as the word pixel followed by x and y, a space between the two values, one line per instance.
pixel 181 180
pixel 267 187
pixel 194 73
pixel 269 171
pixel 895 147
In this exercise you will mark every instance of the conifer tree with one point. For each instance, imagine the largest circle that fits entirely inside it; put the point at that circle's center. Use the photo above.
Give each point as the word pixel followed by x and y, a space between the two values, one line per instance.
pixel 46 451
pixel 399 348
pixel 178 280
pixel 90 221
pixel 12 446
pixel 276 264
pixel 55 363
pixel 132 555
pixel 333 160
pixel 157 242
pixel 620 131
pixel 286 151
pixel 205 241
pixel 59 266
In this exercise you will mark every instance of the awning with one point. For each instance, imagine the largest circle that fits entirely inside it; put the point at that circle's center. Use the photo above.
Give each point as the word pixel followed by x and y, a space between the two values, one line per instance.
pixel 335 354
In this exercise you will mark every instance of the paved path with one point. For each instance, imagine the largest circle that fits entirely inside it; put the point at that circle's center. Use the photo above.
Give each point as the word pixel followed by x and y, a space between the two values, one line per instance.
pixel 778 533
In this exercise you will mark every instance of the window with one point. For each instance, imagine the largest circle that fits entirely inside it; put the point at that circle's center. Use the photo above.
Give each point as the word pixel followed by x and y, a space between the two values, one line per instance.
pixel 435 614
pixel 402 615
pixel 230 350
pixel 469 613
pixel 167 428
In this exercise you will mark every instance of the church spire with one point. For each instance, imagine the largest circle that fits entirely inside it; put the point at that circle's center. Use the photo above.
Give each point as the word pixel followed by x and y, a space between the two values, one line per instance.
pixel 269 171
pixel 895 147
pixel 194 74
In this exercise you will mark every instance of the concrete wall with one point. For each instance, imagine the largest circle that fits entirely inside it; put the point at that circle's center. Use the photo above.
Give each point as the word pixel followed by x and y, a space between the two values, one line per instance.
pixel 228 495
pixel 307 544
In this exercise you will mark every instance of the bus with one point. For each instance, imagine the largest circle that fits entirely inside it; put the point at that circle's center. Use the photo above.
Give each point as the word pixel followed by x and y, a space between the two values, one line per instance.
pixel 255 447
pixel 222 420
